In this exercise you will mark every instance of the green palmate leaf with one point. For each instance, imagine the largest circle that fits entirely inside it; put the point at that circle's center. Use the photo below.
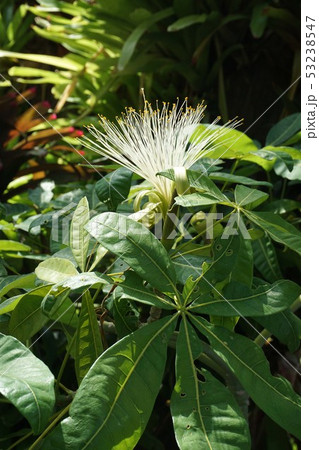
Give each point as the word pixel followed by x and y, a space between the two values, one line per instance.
pixel 16 282
pixel 284 130
pixel 13 246
pixel 79 237
pixel 99 255
pixel 249 198
pixel 242 270
pixel 225 255
pixel 27 317
pixel 88 340
pixel 130 44
pixel 230 178
pixel 196 199
pixel 239 299
pixel 265 259
pixel 132 289
pixel 83 279
pixel 188 265
pixel 137 246
pixel 8 305
pixel 205 414
pixel 274 395
pixel 282 206
pixel 286 326
pixel 126 316
pixel 112 387
pixel 187 21
pixel 55 270
pixel 26 382
pixel 200 182
pixel 114 188
pixel 277 228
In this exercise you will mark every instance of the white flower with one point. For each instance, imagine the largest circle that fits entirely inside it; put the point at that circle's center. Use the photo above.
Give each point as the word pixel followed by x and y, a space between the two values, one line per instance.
pixel 154 140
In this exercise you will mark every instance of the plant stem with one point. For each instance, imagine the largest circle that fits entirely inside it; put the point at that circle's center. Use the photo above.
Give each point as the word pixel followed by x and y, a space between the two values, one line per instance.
pixel 65 360
pixel 49 428
pixel 168 228
pixel 20 440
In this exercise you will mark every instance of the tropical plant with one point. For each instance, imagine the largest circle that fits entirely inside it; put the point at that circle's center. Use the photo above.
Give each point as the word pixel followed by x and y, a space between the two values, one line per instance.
pixel 204 50
pixel 131 326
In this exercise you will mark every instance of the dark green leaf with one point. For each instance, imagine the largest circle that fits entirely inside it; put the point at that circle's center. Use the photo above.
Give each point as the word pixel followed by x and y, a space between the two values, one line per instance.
pixel 265 259
pixel 88 345
pixel 137 246
pixel 249 198
pixel 26 382
pixel 187 21
pixel 205 414
pixel 132 289
pixel 285 326
pixel 239 300
pixel 112 387
pixel 277 228
pixel 274 395
pixel 284 129
pixel 114 187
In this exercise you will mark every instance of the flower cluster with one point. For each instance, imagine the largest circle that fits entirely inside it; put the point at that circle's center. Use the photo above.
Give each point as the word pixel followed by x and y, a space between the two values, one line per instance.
pixel 156 139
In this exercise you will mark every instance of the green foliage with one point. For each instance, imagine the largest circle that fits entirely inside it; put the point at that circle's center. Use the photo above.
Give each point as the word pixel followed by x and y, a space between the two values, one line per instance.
pixel 104 323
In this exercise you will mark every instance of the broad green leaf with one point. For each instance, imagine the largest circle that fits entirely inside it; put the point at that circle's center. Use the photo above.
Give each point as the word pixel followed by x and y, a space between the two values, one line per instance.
pixel 114 188
pixel 16 282
pixel 9 304
pixel 284 130
pixel 285 326
pixel 231 178
pixel 88 340
pixel 249 198
pixel 205 414
pixel 265 259
pixel 137 246
pixel 242 270
pixel 27 317
pixel 282 206
pixel 99 255
pixel 258 20
pixel 274 395
pixel 199 181
pixel 225 254
pixel 83 279
pixel 195 199
pixel 26 382
pixel 239 300
pixel 188 265
pixel 132 289
pixel 79 237
pixel 13 246
pixel 126 316
pixel 277 228
pixel 130 44
pixel 187 21
pixel 116 398
pixel 55 270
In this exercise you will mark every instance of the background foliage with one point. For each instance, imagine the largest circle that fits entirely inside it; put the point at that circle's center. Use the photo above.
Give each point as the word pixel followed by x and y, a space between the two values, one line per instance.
pixel 72 60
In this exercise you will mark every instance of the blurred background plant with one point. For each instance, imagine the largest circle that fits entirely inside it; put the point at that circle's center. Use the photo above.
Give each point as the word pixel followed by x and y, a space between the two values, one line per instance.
pixel 93 56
